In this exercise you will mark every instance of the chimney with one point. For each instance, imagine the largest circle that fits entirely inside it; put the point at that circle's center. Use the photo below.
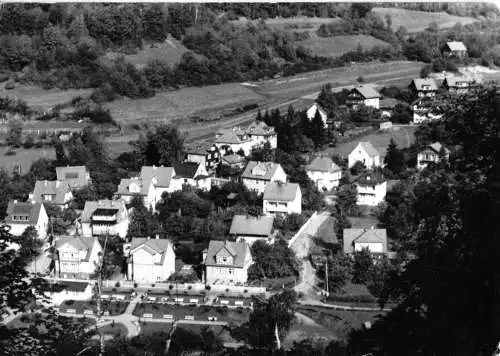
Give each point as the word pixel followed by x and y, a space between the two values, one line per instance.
pixel 157 236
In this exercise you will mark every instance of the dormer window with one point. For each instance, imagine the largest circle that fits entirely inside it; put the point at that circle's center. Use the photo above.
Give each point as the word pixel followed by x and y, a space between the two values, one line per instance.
pixel 47 197
pixel 134 188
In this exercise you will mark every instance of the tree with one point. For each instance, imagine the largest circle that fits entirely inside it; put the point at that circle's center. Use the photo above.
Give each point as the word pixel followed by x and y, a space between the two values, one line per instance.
pixel 163 146
pixel 142 221
pixel 14 134
pixel 318 131
pixel 363 264
pixel 30 244
pixel 272 261
pixel 113 260
pixel 394 159
pixel 339 271
pixel 347 198
pixel 326 99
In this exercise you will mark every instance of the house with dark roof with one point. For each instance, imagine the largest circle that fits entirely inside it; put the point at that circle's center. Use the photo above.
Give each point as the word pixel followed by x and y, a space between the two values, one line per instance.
pixel 433 154
pixel 260 133
pixel 22 215
pixel 282 198
pixel 454 49
pixel 363 95
pixel 227 262
pixel 76 176
pixel 365 153
pixel 458 84
pixel 324 173
pixel 375 240
pixel 247 228
pixel 233 140
pixel 76 257
pixel 105 217
pixel 316 108
pixel 233 161
pixel 150 260
pixel 204 153
pixel 425 109
pixel 129 187
pixel 371 188
pixel 422 87
pixel 193 174
pixel 257 175
pixel 54 192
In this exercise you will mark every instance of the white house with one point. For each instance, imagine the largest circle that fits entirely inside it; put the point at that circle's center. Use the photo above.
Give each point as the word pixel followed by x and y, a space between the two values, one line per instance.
pixel 55 192
pixel 375 240
pixel 233 141
pixel 454 48
pixel 260 134
pixel 246 228
pixel 193 174
pixel 57 293
pixel 282 198
pixel 458 85
pixel 371 189
pixel 311 113
pixel 105 217
pixel 129 187
pixel 365 153
pixel 363 95
pixel 76 176
pixel 204 153
pixel 424 110
pixel 324 173
pixel 162 178
pixel 432 154
pixel 22 215
pixel 76 257
pixel 227 262
pixel 151 260
pixel 423 87
pixel 257 175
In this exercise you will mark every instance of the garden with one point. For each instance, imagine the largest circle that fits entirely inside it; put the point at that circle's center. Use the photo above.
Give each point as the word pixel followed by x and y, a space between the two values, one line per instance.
pixel 80 306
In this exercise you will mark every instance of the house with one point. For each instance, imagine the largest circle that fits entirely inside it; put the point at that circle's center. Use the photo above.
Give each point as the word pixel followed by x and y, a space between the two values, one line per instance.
pixel 363 95
pixel 76 176
pixel 311 113
pixel 151 260
pixel 22 215
pixel 193 174
pixel 76 257
pixel 58 292
pixel 454 49
pixel 324 173
pixel 227 262
pixel 432 154
pixel 162 178
pixel 424 110
pixel 246 228
pixel 204 153
pixel 54 192
pixel 233 141
pixel 384 126
pixel 422 87
pixel 260 134
pixel 257 175
pixel 458 85
pixel 282 198
pixel 371 189
pixel 105 217
pixel 233 161
pixel 129 187
pixel 387 107
pixel 365 153
pixel 375 240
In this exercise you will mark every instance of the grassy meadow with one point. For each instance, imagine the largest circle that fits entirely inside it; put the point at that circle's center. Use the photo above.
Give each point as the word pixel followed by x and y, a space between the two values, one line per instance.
pixel 339 45
pixel 24 157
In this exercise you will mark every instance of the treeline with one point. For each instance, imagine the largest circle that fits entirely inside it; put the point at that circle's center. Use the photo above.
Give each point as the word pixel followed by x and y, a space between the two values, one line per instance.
pixel 472 9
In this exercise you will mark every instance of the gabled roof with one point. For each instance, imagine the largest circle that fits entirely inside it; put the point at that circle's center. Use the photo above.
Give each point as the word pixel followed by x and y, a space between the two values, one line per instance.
pixel 31 210
pixel 186 170
pixel 370 179
pixel 281 191
pixel 105 204
pixel 352 236
pixel 437 146
pixel 318 108
pixel 419 83
pixel 260 128
pixel 368 148
pixel 200 148
pixel 452 81
pixel 127 183
pixel 233 159
pixel 237 250
pixel 152 246
pixel 260 170
pixel 79 243
pixel 367 92
pixel 456 46
pixel 231 137
pixel 252 225
pixel 76 176
pixel 323 164
pixel 162 174
pixel 51 187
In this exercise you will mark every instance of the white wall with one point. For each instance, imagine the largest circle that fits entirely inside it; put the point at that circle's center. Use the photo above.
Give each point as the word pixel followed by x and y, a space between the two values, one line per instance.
pixel 144 269
pixel 359 154
pixel 226 275
pixel 311 113
pixel 325 180
pixel 288 207
pixel 374 247
pixel 371 195
pixel 374 103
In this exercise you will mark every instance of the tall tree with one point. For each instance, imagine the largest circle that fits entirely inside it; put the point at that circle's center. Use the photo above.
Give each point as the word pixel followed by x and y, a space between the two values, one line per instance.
pixel 394 158
pixel 162 146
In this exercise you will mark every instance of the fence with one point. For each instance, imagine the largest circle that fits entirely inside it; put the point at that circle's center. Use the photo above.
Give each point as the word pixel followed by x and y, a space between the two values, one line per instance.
pixel 302 229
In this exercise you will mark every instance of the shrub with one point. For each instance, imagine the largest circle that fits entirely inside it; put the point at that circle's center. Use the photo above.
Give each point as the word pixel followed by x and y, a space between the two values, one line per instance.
pixel 190 287
pixel 153 285
pixel 117 284
pixel 245 291
pixel 208 287
pixel 10 152
pixel 135 285
pixel 360 79
pixel 114 289
pixel 10 85
pixel 227 290
pixel 170 287
pixel 69 302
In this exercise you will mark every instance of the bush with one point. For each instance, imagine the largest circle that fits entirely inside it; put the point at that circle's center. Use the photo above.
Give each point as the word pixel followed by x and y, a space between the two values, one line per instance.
pixel 117 284
pixel 10 152
pixel 170 287
pixel 135 285
pixel 190 287
pixel 10 85
pixel 208 287
pixel 360 79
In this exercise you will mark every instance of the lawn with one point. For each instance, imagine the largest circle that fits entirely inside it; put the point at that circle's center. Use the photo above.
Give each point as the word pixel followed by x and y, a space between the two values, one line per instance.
pixel 291 23
pixel 364 222
pixel 114 307
pixel 416 21
pixel 43 99
pixel 118 330
pixel 338 45
pixel 24 158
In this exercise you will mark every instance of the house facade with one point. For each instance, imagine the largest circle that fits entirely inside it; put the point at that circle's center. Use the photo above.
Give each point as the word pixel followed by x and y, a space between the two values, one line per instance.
pixel 68 290
pixel 371 189
pixel 458 85
pixel 76 176
pixel 130 187
pixel 432 154
pixel 23 215
pixel 257 175
pixel 423 87
pixel 363 95
pixel 365 153
pixel 375 240
pixel 227 262
pixel 56 192
pixel 260 134
pixel 233 141
pixel 150 260
pixel 76 257
pixel 311 113
pixel 249 229
pixel 233 161
pixel 282 198
pixel 162 178
pixel 204 153
pixel 455 49
pixel 193 174
pixel 105 217
pixel 424 111
pixel 324 173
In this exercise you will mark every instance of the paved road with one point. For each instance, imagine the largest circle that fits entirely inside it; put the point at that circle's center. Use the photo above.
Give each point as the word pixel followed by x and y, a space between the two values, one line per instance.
pixel 315 303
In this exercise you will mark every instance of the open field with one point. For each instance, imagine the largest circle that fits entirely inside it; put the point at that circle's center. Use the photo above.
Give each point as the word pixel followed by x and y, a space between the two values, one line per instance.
pixel 402 135
pixel 291 23
pixel 24 157
pixel 338 45
pixel 416 21
pixel 43 99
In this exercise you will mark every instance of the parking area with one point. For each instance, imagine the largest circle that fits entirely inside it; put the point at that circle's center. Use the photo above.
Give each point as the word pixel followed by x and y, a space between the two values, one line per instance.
pixel 90 307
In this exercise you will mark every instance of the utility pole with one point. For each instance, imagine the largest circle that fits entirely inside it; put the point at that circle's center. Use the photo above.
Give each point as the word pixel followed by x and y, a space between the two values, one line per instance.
pixel 326 277
pixel 99 293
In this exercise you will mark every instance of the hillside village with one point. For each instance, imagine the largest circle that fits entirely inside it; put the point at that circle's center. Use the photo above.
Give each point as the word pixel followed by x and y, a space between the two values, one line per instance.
pixel 357 220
